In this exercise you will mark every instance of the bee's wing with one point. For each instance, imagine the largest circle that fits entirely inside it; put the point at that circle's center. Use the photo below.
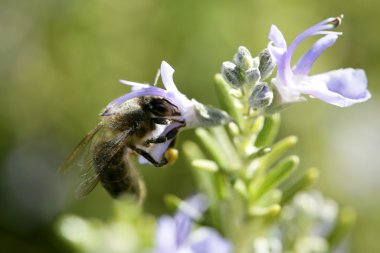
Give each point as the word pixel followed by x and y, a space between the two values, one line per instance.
pixel 86 186
pixel 79 156
pixel 82 157
pixel 89 177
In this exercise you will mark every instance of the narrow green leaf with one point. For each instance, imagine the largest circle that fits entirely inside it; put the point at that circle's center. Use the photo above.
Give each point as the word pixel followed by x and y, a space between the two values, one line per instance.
pixel 259 153
pixel 271 197
pixel 274 177
pixel 192 151
pixel 271 211
pixel 228 103
pixel 269 131
pixel 259 165
pixel 228 150
pixel 300 184
pixel 222 186
pixel 241 188
pixel 204 179
pixel 211 145
pixel 205 164
pixel 257 125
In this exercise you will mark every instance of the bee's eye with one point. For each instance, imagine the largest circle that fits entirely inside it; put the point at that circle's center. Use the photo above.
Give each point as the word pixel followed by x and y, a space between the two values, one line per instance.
pixel 161 107
pixel 158 107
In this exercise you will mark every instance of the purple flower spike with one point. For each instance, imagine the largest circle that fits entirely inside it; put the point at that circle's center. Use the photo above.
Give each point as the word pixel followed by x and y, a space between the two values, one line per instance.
pixel 175 235
pixel 342 87
pixel 192 113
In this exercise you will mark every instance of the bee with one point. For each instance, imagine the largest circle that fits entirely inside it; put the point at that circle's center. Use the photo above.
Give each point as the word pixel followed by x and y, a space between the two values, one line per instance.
pixel 104 153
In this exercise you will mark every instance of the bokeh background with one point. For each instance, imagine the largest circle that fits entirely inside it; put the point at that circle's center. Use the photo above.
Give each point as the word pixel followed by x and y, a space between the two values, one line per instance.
pixel 60 61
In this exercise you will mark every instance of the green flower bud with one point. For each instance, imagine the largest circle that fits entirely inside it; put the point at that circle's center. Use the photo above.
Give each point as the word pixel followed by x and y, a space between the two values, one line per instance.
pixel 243 58
pixel 252 75
pixel 231 74
pixel 261 96
pixel 266 64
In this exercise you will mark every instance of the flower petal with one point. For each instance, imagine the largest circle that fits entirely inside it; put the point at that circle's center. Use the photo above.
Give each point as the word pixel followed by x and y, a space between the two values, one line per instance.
pixel 343 87
pixel 207 240
pixel 277 48
pixel 276 37
pixel 113 106
pixel 194 206
pixel 304 64
pixel 167 77
pixel 166 235
pixel 183 226
pixel 288 94
pixel 317 29
pixel 279 56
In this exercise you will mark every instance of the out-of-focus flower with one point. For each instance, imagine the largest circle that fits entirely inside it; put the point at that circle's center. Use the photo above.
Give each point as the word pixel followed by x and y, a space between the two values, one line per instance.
pixel 308 221
pixel 192 113
pixel 342 87
pixel 175 235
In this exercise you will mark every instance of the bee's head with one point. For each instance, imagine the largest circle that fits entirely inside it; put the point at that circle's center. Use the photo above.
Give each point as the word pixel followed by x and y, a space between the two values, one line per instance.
pixel 159 106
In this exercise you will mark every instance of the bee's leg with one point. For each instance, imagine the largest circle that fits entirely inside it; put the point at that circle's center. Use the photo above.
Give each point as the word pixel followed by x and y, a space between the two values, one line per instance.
pixel 166 121
pixel 161 121
pixel 163 138
pixel 158 139
pixel 147 156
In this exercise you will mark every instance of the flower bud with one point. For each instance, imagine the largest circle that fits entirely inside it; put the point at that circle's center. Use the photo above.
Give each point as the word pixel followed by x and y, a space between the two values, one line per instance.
pixel 231 74
pixel 266 64
pixel 243 58
pixel 261 96
pixel 252 75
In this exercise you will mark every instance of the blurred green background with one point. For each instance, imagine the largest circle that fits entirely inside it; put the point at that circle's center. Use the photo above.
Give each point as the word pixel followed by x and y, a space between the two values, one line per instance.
pixel 60 61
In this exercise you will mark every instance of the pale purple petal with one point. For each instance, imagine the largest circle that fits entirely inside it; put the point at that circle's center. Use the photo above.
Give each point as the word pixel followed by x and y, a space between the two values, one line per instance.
pixel 166 235
pixel 288 93
pixel 342 87
pixel 350 83
pixel 113 106
pixel 185 105
pixel 190 209
pixel 183 226
pixel 179 238
pixel 207 240
pixel 194 206
pixel 314 30
pixel 277 48
pixel 279 56
pixel 167 77
pixel 276 37
pixel 304 64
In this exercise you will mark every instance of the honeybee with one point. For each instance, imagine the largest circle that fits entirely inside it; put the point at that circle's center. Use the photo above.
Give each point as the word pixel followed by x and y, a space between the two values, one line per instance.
pixel 104 153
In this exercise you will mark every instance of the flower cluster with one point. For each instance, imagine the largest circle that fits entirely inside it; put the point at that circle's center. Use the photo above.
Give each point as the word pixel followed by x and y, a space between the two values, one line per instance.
pixel 342 87
pixel 175 235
